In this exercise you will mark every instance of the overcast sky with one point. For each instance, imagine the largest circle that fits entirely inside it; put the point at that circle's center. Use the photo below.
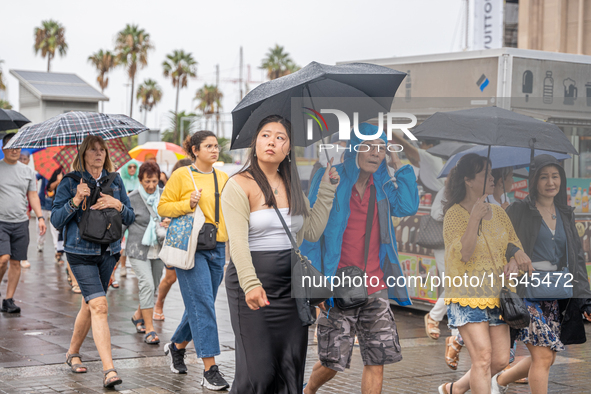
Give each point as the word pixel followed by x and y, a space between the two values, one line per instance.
pixel 324 31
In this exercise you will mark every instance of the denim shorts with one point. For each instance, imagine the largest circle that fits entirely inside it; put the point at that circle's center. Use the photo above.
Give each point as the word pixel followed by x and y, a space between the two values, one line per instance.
pixel 458 315
pixel 92 272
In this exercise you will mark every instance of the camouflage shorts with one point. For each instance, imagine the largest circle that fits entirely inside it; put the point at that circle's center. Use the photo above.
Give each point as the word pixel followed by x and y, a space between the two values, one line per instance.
pixel 375 328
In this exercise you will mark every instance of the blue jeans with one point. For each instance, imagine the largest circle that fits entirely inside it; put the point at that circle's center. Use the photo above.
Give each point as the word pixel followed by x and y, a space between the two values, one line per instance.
pixel 92 273
pixel 458 316
pixel 199 288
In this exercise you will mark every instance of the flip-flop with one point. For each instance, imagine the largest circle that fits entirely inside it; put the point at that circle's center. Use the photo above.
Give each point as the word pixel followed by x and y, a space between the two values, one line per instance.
pixel 142 329
pixel 153 341
pixel 158 316
pixel 115 284
pixel 76 289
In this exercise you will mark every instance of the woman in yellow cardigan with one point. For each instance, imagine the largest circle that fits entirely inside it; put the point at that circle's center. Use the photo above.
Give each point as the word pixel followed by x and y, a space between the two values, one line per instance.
pixel 477 236
pixel 199 285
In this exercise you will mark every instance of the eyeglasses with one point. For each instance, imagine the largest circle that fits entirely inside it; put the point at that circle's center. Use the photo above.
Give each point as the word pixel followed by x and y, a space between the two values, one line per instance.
pixel 213 148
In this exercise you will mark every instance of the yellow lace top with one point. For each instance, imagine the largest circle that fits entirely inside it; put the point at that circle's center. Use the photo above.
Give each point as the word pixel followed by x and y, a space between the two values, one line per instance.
pixel 481 276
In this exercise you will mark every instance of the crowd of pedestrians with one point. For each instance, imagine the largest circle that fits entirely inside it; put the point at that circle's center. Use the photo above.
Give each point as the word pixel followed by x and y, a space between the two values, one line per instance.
pixel 102 219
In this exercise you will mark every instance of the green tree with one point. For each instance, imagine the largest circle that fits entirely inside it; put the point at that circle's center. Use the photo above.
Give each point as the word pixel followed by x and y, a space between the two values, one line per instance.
pixel 188 126
pixel 209 97
pixel 148 94
pixel 50 37
pixel 103 61
pixel 224 144
pixel 2 85
pixel 5 104
pixel 179 66
pixel 278 63
pixel 132 45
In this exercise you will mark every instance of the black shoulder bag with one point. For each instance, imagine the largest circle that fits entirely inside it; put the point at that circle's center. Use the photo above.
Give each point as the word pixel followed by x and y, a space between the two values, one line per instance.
pixel 207 239
pixel 348 295
pixel 101 226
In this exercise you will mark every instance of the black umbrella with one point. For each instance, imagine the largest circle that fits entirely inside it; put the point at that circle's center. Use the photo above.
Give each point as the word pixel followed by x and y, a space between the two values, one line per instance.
pixel 447 149
pixel 10 119
pixel 494 126
pixel 313 82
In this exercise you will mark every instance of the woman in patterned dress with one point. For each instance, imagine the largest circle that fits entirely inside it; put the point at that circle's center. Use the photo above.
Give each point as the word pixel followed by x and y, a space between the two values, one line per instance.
pixel 545 225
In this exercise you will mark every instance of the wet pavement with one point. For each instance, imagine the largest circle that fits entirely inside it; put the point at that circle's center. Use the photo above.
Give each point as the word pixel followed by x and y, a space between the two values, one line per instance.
pixel 33 345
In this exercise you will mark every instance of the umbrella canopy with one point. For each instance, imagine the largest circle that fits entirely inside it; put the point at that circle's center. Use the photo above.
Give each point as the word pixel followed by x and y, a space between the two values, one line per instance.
pixel 10 119
pixel 494 126
pixel 117 152
pixel 447 149
pixel 71 128
pixel 44 162
pixel 316 80
pixel 164 152
pixel 501 156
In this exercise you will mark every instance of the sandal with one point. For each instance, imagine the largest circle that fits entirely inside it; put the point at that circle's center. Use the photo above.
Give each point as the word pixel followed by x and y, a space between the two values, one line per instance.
pixel 111 382
pixel 115 284
pixel 441 389
pixel 154 340
pixel 75 367
pixel 158 316
pixel 452 352
pixel 142 328
pixel 432 327
pixel 76 289
pixel 58 258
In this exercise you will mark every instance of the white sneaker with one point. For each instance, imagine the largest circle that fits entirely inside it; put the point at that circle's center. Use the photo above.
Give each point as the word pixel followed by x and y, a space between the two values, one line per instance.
pixel 496 388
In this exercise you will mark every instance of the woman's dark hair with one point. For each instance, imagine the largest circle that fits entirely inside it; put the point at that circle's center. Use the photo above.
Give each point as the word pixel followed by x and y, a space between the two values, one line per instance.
pixel 149 169
pixel 196 140
pixel 455 188
pixel 181 163
pixel 500 173
pixel 289 175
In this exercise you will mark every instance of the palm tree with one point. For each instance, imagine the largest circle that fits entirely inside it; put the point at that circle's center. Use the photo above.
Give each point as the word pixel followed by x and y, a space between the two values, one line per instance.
pixel 278 63
pixel 179 66
pixel 49 38
pixel 176 119
pixel 104 61
pixel 5 104
pixel 149 94
pixel 132 45
pixel 2 85
pixel 209 97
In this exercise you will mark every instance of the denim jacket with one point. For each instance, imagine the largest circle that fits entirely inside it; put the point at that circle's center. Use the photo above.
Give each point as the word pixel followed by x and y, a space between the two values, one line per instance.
pixel 64 216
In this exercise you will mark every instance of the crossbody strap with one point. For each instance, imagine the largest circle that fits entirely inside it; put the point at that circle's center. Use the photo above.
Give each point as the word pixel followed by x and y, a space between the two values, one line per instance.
pixel 152 213
pixel 287 230
pixel 217 193
pixel 369 222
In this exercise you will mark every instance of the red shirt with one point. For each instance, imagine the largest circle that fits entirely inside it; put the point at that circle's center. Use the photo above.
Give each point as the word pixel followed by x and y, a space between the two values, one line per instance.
pixel 353 249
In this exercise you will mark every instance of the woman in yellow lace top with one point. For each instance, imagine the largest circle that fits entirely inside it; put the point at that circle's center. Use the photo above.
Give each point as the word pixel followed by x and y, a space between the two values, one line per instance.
pixel 477 235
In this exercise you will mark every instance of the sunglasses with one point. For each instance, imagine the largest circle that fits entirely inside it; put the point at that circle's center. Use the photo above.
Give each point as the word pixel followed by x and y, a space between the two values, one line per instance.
pixel 131 166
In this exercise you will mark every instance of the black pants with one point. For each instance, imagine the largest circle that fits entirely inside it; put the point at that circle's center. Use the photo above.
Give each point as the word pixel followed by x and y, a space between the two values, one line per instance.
pixel 271 343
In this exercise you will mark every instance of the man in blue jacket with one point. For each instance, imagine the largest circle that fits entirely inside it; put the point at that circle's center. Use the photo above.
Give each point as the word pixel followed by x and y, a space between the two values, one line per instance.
pixel 343 245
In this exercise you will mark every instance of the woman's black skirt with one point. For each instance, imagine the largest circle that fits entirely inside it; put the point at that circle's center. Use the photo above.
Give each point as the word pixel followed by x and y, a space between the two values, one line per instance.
pixel 271 343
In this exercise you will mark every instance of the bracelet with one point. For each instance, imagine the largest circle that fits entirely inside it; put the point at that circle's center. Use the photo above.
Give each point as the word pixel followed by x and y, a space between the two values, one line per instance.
pixel 73 205
pixel 39 218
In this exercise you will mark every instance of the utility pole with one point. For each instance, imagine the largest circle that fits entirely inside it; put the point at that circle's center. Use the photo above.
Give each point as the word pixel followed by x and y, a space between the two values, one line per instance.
pixel 217 108
pixel 240 78
pixel 467 24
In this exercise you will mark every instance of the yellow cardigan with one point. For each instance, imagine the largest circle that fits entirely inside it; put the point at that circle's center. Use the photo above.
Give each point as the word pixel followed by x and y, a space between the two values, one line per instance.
pixel 488 257
pixel 176 197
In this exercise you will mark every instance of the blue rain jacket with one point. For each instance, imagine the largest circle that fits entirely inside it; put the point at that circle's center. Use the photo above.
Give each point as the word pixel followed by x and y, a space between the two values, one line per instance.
pixel 397 196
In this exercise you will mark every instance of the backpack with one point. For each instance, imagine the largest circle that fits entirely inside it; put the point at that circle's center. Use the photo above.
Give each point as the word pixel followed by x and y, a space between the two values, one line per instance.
pixel 101 226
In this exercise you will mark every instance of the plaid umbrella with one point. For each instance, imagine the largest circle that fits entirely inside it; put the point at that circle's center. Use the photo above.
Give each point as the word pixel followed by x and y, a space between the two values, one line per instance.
pixel 72 127
pixel 117 152
pixel 44 163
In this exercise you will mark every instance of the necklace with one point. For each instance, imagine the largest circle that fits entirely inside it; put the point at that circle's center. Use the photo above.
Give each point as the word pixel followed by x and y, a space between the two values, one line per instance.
pixel 275 189
pixel 553 215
